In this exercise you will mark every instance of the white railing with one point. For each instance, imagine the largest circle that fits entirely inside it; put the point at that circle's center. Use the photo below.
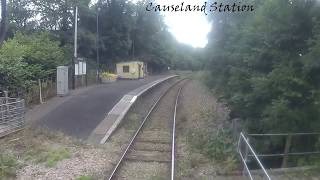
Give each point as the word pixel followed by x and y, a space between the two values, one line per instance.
pixel 11 115
pixel 245 149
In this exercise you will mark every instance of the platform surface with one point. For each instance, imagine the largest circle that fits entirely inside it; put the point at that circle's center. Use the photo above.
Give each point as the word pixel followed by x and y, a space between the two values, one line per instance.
pixel 113 119
pixel 81 112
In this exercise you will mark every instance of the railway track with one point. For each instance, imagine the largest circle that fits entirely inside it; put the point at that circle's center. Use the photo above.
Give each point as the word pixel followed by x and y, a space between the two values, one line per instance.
pixel 151 150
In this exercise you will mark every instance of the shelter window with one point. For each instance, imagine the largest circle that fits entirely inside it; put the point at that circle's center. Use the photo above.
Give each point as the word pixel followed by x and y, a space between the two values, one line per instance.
pixel 125 69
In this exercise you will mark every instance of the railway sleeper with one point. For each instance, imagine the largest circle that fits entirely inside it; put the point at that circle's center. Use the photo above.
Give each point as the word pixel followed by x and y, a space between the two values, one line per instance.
pixel 149 156
pixel 148 146
pixel 154 141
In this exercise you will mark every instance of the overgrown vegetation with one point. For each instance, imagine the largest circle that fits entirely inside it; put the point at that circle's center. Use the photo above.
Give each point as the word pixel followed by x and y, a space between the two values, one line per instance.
pixel 265 65
pixel 50 157
pixel 215 141
pixel 8 166
pixel 84 178
pixel 33 147
pixel 26 58
pixel 39 154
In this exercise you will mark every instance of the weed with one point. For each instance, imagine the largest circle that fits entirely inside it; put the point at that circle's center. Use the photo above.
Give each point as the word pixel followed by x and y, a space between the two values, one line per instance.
pixel 48 156
pixel 133 121
pixel 157 177
pixel 84 178
pixel 218 146
pixel 8 166
pixel 53 157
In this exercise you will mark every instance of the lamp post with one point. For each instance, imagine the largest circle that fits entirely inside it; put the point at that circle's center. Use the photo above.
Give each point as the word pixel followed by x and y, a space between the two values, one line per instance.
pixel 97 45
pixel 75 55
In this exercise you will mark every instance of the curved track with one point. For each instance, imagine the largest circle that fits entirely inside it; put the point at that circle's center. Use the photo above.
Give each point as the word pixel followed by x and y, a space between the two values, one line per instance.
pixel 154 140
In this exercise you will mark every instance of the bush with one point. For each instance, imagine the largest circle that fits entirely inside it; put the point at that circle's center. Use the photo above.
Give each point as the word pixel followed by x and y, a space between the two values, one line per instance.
pixel 216 146
pixel 24 59
pixel 109 76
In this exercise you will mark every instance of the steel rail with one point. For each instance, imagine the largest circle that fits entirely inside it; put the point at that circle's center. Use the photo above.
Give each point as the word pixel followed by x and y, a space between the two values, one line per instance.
pixel 139 129
pixel 174 134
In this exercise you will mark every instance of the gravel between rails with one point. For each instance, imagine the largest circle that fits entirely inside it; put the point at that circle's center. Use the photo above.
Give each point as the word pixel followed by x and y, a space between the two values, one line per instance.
pixel 143 160
pixel 120 138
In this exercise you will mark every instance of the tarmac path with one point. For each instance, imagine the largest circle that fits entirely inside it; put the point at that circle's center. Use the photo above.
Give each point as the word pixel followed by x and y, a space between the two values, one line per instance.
pixel 78 114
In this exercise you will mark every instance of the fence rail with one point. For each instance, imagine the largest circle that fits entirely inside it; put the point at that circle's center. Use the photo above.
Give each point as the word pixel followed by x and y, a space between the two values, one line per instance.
pixel 11 115
pixel 244 150
pixel 285 134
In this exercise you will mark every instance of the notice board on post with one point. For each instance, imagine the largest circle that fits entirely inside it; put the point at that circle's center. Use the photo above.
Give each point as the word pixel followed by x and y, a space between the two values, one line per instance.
pixel 80 67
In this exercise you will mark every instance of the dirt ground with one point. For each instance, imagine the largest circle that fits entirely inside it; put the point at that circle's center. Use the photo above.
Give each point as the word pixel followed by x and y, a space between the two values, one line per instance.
pixel 198 111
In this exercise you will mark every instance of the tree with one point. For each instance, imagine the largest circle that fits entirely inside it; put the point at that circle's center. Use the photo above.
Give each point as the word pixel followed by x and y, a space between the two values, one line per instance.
pixel 3 23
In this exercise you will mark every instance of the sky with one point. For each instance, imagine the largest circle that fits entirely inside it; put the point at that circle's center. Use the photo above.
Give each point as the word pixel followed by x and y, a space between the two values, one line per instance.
pixel 187 27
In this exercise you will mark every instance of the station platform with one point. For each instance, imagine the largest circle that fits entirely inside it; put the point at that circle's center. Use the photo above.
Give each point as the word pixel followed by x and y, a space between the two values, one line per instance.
pixel 110 123
pixel 80 113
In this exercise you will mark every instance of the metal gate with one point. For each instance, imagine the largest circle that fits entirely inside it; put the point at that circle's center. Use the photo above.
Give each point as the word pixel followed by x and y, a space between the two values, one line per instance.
pixel 12 112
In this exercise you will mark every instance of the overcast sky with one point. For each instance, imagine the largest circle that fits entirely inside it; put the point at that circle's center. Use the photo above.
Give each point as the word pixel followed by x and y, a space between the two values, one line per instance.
pixel 188 27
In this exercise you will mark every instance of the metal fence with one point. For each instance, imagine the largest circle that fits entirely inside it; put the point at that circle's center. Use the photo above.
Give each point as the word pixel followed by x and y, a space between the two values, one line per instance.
pixel 288 146
pixel 11 115
pixel 245 151
pixel 249 155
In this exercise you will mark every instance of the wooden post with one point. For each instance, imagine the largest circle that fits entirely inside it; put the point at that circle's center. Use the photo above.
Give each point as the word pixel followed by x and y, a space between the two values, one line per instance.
pixel 40 91
pixel 6 101
pixel 286 151
pixel 6 97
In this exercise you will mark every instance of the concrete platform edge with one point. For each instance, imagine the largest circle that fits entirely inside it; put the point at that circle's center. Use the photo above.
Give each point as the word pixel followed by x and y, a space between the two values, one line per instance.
pixel 124 105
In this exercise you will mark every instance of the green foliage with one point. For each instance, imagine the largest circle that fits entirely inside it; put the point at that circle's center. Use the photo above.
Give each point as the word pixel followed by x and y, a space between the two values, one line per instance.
pixel 13 70
pixel 266 67
pixel 42 52
pixel 8 166
pixel 126 31
pixel 264 70
pixel 218 146
pixel 84 178
pixel 215 143
pixel 24 59
pixel 48 156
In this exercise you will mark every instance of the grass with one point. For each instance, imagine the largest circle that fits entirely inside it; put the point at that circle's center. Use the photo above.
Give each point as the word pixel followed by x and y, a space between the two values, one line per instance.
pixel 29 145
pixel 208 148
pixel 84 178
pixel 158 178
pixel 51 151
pixel 53 157
pixel 50 157
pixel 133 121
pixel 8 166
pixel 32 145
